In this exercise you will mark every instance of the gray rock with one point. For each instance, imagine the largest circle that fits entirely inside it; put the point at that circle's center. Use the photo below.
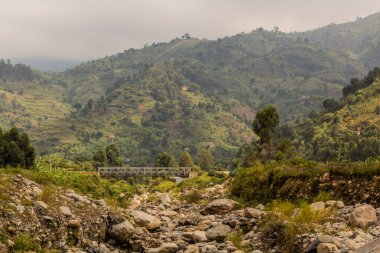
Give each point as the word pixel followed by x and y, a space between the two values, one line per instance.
pixel 253 213
pixel 192 249
pixel 220 206
pixel 218 232
pixel 209 249
pixel 122 232
pixel 327 248
pixel 146 220
pixel 363 216
pixel 199 236
pixel 104 249
pixel 65 211
pixel 164 248
pixel 40 206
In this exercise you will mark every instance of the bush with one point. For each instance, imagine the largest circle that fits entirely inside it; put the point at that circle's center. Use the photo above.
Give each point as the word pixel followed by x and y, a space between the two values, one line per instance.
pixel 24 242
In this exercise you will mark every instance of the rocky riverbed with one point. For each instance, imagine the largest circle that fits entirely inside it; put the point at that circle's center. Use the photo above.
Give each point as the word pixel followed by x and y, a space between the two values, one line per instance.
pixel 56 218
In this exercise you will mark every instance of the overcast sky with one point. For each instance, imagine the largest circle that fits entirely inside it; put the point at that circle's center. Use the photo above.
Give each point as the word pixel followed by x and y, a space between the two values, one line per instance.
pixel 87 29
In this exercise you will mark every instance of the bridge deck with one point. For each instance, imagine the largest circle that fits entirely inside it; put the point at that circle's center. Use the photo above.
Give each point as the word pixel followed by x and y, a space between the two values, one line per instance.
pixel 125 172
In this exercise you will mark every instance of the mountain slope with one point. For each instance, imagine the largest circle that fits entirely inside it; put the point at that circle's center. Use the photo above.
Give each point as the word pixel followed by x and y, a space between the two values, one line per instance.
pixel 360 40
pixel 185 94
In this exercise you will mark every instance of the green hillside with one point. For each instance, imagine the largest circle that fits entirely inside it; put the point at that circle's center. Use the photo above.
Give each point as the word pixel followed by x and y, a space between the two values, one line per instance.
pixel 185 94
pixel 348 132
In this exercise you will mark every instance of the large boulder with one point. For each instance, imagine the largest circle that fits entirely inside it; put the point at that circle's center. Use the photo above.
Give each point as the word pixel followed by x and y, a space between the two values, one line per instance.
pixel 122 232
pixel 363 216
pixel 146 220
pixel 220 206
pixel 218 232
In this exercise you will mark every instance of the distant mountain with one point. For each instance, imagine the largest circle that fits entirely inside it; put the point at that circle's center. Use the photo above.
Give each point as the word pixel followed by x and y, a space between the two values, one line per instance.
pixel 359 40
pixel 47 64
pixel 191 93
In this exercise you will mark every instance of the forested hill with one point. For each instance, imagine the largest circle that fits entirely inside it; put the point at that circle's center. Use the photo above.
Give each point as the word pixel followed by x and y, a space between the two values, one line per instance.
pixel 347 129
pixel 187 93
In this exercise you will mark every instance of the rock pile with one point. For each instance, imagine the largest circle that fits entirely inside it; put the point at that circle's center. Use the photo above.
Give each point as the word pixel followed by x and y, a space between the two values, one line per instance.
pixel 70 222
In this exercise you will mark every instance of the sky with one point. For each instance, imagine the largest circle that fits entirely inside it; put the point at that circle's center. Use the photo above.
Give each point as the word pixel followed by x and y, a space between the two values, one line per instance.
pixel 78 30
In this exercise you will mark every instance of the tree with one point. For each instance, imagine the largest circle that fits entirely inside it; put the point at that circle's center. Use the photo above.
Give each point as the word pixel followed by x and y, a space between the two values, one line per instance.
pixel 186 160
pixel 113 155
pixel 266 123
pixel 206 161
pixel 100 158
pixel 165 160
pixel 15 149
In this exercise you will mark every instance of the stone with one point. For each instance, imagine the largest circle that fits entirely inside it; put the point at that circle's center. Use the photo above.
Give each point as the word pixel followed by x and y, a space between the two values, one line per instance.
pixel 146 220
pixel 199 236
pixel 325 178
pixel 260 207
pixel 192 249
pixel 209 249
pixel 122 232
pixel 339 204
pixel 325 238
pixel 318 206
pixel 220 206
pixel 257 251
pixel 104 249
pixel 20 209
pixel 36 192
pixel 40 206
pixel 74 223
pixel 363 216
pixel 218 232
pixel 65 211
pixel 169 247
pixel 351 244
pixel 253 213
pixel 327 248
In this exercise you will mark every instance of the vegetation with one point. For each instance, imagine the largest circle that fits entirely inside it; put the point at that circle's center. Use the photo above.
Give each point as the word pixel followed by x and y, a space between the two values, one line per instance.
pixel 15 149
pixel 187 93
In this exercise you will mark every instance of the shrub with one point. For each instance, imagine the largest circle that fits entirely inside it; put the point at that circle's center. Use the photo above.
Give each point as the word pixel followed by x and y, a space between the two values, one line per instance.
pixel 24 242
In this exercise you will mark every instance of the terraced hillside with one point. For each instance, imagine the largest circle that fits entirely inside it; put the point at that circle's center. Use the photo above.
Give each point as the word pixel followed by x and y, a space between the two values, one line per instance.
pixel 186 94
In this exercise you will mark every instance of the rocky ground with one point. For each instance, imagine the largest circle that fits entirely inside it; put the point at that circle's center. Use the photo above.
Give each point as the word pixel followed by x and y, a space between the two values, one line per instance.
pixel 55 218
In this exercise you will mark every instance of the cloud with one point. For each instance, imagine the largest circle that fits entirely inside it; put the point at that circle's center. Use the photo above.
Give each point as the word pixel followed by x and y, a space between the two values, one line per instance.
pixel 87 29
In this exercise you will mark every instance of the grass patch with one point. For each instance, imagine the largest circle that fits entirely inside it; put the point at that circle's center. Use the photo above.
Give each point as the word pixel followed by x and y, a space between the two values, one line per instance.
pixel 236 238
pixel 286 220
pixel 24 242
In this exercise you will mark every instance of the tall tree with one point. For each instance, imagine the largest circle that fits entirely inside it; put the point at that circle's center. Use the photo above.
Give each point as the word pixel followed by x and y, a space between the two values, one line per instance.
pixel 165 160
pixel 266 123
pixel 100 158
pixel 206 161
pixel 113 155
pixel 186 160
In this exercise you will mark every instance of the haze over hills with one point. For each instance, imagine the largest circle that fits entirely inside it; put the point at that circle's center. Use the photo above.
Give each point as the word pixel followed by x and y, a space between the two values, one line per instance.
pixel 188 93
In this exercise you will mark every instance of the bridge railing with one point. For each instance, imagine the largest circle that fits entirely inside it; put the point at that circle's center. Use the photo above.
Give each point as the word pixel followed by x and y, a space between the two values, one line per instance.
pixel 124 172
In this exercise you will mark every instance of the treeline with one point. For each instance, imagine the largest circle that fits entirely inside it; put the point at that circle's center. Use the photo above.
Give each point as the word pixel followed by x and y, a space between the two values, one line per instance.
pixel 15 149
pixel 8 71
pixel 356 84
